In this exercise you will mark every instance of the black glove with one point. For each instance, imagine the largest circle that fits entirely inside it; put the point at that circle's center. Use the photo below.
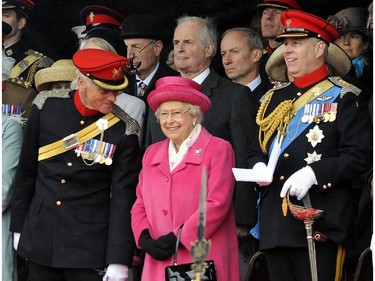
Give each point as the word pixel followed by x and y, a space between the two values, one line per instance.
pixel 170 240
pixel 159 250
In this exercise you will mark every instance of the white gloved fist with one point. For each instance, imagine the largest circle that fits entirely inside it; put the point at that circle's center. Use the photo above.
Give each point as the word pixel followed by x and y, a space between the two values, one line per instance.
pixel 16 239
pixel 116 272
pixel 299 183
pixel 261 168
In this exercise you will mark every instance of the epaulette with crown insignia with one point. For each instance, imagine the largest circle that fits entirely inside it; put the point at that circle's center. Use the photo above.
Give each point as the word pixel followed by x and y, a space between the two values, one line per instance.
pixel 20 82
pixel 277 86
pixel 345 86
pixel 41 98
pixel 132 126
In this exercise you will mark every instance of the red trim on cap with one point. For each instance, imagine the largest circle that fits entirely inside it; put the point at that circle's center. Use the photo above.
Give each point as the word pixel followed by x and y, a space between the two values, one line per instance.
pixel 81 108
pixel 101 19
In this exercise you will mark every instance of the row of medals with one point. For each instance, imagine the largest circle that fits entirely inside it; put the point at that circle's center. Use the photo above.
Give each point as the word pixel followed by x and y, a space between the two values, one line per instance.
pixel 319 113
pixel 89 151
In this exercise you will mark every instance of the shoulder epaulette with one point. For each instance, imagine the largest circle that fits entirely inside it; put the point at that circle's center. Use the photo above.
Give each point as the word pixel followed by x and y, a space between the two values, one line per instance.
pixel 277 86
pixel 43 61
pixel 346 87
pixel 20 82
pixel 41 98
pixel 132 126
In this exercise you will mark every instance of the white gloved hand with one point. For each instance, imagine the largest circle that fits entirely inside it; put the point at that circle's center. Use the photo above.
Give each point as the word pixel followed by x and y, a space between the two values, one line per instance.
pixel 299 183
pixel 261 168
pixel 16 239
pixel 116 272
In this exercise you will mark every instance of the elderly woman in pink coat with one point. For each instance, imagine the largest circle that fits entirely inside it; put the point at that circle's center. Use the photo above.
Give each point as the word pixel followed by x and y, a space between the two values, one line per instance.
pixel 170 181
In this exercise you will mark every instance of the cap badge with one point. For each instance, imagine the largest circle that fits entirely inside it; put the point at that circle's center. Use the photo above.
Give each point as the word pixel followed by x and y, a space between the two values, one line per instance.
pixel 91 16
pixel 116 72
pixel 288 23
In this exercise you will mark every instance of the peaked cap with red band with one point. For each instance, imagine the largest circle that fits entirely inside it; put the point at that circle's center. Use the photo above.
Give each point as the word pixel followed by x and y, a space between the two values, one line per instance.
pixel 94 15
pixel 302 24
pixel 280 4
pixel 26 5
pixel 175 88
pixel 105 69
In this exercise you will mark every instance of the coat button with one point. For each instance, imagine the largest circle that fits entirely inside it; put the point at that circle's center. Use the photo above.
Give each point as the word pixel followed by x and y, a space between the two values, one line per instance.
pixel 165 212
pixel 286 155
pixel 324 186
pixel 63 181
pixel 58 203
pixel 167 179
pixel 82 122
pixel 70 164
pixel 329 185
pixel 282 178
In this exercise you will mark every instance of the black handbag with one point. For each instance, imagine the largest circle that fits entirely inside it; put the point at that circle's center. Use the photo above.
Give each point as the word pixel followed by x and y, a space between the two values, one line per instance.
pixel 184 272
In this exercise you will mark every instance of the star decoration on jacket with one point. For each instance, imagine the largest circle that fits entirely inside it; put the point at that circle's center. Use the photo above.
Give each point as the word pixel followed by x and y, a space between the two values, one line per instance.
pixel 312 157
pixel 315 136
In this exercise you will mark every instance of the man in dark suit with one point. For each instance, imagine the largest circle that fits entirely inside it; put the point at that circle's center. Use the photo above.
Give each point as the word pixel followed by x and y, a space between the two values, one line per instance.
pixel 76 179
pixel 241 49
pixel 143 38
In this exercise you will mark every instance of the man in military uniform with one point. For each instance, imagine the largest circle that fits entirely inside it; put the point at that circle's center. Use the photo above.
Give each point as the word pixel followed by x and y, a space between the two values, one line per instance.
pixel 17 95
pixel 271 27
pixel 28 61
pixel 76 179
pixel 322 126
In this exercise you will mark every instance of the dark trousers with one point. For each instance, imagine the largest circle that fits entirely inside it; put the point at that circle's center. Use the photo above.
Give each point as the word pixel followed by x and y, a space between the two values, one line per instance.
pixel 292 264
pixel 44 273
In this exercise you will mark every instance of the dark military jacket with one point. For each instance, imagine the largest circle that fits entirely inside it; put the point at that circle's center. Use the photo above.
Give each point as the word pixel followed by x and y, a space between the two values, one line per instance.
pixel 70 213
pixel 28 61
pixel 342 154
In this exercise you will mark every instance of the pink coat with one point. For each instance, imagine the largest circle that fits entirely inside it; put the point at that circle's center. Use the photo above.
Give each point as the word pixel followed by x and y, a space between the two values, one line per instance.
pixel 166 200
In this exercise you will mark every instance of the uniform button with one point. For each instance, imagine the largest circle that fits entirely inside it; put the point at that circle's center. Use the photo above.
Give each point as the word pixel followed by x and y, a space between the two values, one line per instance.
pixel 329 185
pixel 70 164
pixel 63 181
pixel 58 203
pixel 165 212
pixel 299 94
pixel 286 155
pixel 82 122
pixel 167 179
pixel 282 178
pixel 324 186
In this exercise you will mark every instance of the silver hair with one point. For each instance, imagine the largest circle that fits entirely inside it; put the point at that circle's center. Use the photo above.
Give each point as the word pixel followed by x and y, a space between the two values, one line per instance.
pixel 208 31
pixel 100 42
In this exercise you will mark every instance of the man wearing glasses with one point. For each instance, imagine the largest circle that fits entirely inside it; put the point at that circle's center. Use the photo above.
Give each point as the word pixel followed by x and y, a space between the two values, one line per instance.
pixel 144 42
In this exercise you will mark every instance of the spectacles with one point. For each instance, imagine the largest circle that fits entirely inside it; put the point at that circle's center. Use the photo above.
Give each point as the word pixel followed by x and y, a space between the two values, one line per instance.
pixel 174 115
pixel 138 49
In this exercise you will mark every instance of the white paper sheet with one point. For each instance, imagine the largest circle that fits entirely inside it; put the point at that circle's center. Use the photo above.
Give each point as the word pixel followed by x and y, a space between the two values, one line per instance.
pixel 250 175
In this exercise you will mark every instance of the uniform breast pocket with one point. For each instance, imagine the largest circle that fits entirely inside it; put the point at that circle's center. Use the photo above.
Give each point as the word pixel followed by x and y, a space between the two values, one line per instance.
pixel 92 213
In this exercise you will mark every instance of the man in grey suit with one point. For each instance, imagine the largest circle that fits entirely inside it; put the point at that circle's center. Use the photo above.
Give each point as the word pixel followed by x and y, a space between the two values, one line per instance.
pixel 233 107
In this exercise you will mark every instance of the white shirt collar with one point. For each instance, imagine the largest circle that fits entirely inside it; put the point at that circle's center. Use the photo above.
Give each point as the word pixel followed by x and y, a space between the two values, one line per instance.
pixel 200 77
pixel 149 78
pixel 255 83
